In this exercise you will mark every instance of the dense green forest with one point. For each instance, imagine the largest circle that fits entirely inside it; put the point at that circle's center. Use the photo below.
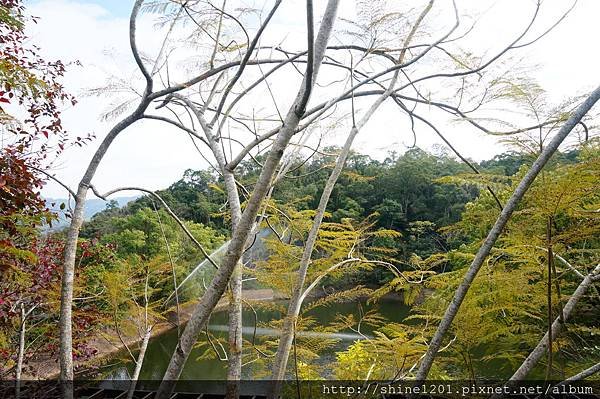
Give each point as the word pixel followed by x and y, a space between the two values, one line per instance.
pixel 420 214
pixel 406 193
pixel 424 214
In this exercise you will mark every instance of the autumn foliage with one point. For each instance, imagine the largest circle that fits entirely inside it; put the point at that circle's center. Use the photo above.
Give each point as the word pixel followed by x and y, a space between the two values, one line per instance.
pixel 31 94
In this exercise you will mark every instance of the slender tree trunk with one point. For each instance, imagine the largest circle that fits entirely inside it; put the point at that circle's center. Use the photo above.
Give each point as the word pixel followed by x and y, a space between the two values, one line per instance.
pixel 66 299
pixel 549 294
pixel 584 374
pixel 68 272
pixel 496 230
pixel 242 232
pixel 542 347
pixel 289 324
pixel 139 362
pixel 287 336
pixel 234 367
pixel 21 354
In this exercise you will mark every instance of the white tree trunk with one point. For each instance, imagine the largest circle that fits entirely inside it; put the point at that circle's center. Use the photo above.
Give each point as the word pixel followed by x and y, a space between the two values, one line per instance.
pixel 496 230
pixel 139 362
pixel 234 366
pixel 242 232
pixel 557 326
pixel 21 354
pixel 584 374
pixel 68 271
pixel 289 326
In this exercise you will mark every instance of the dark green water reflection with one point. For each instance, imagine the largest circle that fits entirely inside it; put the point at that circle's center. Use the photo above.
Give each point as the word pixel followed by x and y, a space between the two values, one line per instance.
pixel 160 348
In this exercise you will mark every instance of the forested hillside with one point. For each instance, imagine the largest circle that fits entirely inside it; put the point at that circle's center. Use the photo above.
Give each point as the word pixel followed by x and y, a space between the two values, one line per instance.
pixel 409 193
pixel 416 219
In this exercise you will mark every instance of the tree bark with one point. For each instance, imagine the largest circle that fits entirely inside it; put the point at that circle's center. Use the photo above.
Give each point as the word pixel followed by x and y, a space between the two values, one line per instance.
pixel 549 295
pixel 139 362
pixel 68 271
pixel 287 335
pixel 234 367
pixel 497 229
pixel 242 232
pixel 557 326
pixel 584 374
pixel 21 354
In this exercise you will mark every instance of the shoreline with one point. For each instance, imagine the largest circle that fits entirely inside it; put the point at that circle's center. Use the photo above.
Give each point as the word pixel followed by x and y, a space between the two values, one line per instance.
pixel 107 343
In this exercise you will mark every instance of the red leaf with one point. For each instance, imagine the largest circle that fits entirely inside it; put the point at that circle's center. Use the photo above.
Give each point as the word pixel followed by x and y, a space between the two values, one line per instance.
pixel 4 100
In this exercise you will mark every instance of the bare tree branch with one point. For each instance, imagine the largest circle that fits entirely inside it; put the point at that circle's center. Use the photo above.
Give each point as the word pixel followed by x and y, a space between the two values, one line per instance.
pixel 169 211
pixel 557 326
pixel 497 229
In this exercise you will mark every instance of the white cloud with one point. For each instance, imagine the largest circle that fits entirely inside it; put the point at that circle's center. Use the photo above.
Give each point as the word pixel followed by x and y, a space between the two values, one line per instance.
pixel 145 154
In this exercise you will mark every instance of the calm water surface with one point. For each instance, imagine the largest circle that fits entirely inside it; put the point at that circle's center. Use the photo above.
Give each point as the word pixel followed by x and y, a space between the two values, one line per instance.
pixel 160 348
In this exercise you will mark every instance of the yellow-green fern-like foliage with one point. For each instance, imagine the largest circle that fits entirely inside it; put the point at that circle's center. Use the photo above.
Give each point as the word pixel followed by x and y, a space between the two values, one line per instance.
pixel 389 354
pixel 505 312
pixel 409 283
pixel 336 244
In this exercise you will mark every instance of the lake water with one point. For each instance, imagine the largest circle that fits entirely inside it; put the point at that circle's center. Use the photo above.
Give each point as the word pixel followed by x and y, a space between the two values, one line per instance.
pixel 160 348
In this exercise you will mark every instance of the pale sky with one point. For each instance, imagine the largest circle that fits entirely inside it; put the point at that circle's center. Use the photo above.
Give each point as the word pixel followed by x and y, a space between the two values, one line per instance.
pixel 153 156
